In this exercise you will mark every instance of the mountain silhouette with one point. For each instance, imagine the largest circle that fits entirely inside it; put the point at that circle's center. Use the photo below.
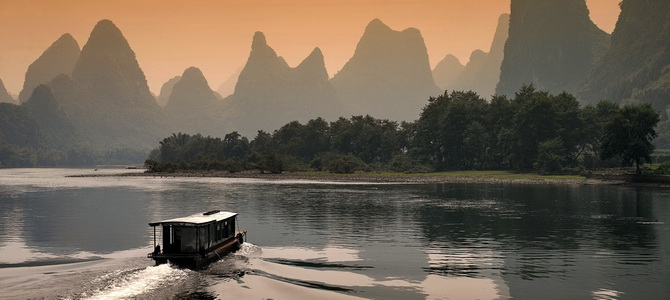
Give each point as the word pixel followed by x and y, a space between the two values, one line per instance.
pixel 227 88
pixel 190 106
pixel 269 93
pixel 57 129
pixel 637 66
pixel 107 68
pixel 107 99
pixel 482 72
pixel 389 75
pixel 166 90
pixel 4 94
pixel 59 58
pixel 447 71
pixel 552 44
pixel 190 93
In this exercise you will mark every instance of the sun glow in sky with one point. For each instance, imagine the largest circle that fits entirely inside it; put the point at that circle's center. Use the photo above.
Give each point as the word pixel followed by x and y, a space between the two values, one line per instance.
pixel 215 35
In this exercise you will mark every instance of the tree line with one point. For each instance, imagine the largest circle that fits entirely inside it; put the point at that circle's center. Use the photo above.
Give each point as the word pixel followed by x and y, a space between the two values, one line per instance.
pixel 532 131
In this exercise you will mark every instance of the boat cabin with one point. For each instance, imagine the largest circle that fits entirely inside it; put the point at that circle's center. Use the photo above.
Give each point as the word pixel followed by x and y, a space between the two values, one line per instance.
pixel 197 239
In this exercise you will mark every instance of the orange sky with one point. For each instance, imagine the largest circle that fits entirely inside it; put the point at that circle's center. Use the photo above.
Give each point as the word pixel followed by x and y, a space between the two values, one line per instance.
pixel 215 35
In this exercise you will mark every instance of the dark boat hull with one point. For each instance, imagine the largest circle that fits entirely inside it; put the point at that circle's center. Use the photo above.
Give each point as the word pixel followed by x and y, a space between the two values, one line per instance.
pixel 200 260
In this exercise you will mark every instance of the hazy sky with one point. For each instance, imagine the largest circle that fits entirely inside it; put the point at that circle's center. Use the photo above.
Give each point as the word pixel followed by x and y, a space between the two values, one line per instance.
pixel 215 35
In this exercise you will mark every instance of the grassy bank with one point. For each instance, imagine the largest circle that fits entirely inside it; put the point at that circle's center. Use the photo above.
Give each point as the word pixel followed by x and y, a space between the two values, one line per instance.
pixel 389 177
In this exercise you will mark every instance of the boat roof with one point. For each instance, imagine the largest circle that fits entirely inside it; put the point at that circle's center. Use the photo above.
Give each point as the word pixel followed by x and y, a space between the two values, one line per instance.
pixel 197 219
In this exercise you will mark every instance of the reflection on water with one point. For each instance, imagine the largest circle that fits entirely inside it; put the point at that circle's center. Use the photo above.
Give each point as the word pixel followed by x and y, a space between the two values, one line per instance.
pixel 309 240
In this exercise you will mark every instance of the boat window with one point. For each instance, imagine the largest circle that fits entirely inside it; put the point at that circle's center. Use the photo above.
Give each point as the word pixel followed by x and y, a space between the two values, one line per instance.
pixel 219 231
pixel 171 234
pixel 211 235
pixel 186 237
pixel 203 237
pixel 226 230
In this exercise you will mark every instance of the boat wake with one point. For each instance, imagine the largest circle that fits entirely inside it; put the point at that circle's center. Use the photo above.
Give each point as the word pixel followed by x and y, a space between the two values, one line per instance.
pixel 124 284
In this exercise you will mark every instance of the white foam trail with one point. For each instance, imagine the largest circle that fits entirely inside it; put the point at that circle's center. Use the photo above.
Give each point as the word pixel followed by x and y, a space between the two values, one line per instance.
pixel 139 282
pixel 249 250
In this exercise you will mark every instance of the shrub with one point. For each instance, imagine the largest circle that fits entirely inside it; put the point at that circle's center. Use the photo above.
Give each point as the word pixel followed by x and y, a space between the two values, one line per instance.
pixel 345 164
pixel 550 157
pixel 663 168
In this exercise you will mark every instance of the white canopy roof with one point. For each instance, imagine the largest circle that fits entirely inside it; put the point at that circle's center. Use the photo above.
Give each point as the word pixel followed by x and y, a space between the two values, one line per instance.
pixel 197 219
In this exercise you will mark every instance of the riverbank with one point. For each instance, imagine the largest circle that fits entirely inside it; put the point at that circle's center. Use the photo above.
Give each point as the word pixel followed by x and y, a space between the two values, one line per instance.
pixel 443 177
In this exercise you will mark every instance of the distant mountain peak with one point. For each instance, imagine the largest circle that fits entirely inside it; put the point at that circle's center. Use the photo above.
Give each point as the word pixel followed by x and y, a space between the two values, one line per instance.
pixel 4 95
pixel 190 94
pixel 166 90
pixel 108 68
pixel 259 40
pixel 105 22
pixel 263 66
pixel 452 59
pixel 193 73
pixel 389 75
pixel 107 30
pixel 314 58
pixel 501 34
pixel 316 52
pixel 552 44
pixel 313 67
pixel 377 25
pixel 60 58
pixel 57 128
pixel 109 93
pixel 446 71
pixel 42 96
pixel 66 38
pixel 269 93
pixel 377 28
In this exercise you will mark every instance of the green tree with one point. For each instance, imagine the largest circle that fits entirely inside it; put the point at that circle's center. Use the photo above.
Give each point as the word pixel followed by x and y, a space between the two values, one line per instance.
pixel 451 132
pixel 535 121
pixel 629 133
pixel 550 156
pixel 345 164
pixel 235 145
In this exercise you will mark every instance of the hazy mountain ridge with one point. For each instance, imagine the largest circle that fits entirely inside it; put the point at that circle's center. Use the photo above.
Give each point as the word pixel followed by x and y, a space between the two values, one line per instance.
pixel 447 71
pixel 107 103
pixel 227 87
pixel 269 93
pixel 4 94
pixel 166 90
pixel 389 75
pixel 107 97
pixel 191 106
pixel 60 58
pixel 552 44
pixel 190 93
pixel 55 126
pixel 482 73
pixel 107 67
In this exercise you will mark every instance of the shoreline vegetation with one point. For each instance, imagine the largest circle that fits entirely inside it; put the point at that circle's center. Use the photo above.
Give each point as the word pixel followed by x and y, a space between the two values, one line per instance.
pixel 503 177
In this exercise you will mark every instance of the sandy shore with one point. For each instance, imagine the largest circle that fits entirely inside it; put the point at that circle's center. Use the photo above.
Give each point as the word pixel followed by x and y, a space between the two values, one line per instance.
pixel 375 177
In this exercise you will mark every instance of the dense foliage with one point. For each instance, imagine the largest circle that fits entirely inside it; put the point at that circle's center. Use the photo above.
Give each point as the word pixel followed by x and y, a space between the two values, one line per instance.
pixel 534 131
pixel 629 133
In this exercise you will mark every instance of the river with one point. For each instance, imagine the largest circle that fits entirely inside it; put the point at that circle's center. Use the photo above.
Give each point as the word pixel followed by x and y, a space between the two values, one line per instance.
pixel 87 238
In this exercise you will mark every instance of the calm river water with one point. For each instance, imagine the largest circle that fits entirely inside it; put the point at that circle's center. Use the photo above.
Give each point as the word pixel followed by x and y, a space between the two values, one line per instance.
pixel 72 237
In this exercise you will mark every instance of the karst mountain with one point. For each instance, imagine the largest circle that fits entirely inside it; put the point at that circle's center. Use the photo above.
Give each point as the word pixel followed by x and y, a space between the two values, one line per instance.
pixel 389 75
pixel 552 44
